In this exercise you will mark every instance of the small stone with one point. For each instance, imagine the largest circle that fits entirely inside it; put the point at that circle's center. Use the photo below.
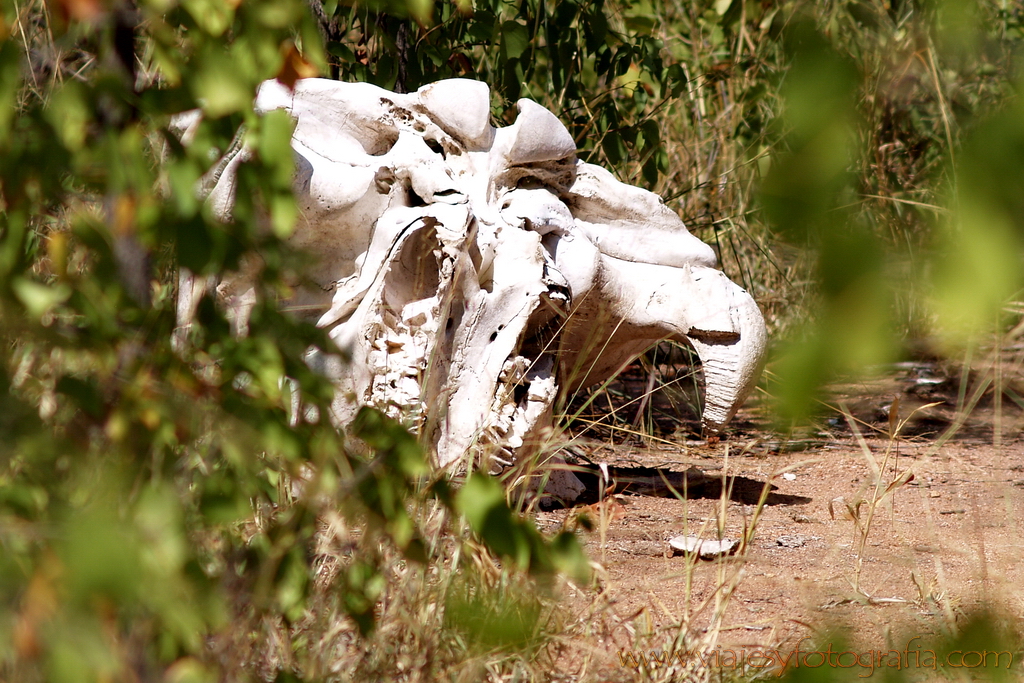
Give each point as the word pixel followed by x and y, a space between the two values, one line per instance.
pixel 793 540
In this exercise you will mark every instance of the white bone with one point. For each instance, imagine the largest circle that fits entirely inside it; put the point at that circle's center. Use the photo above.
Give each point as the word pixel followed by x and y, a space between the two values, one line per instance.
pixel 474 273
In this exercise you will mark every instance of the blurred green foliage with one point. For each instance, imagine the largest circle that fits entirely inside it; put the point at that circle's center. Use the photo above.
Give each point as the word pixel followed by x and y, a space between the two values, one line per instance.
pixel 898 169
pixel 154 499
pixel 599 66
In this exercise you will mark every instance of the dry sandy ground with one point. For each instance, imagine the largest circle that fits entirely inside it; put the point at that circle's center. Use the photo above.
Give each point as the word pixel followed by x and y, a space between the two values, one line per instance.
pixel 937 547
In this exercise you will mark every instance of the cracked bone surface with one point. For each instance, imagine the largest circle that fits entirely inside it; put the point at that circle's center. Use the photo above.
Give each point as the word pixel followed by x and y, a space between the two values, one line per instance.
pixel 473 272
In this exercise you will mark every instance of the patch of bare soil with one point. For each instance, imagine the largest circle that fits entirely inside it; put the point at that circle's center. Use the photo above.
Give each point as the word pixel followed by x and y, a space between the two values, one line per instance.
pixel 821 559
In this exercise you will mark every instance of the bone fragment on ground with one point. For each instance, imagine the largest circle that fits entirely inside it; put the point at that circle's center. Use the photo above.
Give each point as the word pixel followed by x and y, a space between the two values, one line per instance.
pixel 706 549
pixel 474 273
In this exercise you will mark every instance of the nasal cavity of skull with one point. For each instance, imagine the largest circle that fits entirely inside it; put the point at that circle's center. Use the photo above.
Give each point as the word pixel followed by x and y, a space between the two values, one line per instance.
pixel 475 256
pixel 550 243
pixel 419 265
pixel 412 199
pixel 454 318
pixel 436 147
pixel 485 278
pixel 484 274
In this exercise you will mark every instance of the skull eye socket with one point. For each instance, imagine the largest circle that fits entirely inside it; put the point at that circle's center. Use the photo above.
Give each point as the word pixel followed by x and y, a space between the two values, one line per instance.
pixel 377 141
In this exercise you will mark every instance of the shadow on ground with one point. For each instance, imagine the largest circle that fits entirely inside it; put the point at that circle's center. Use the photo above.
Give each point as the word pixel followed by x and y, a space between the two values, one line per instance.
pixel 663 483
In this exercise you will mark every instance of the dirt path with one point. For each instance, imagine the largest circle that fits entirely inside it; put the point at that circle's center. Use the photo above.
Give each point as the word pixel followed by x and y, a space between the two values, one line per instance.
pixel 939 546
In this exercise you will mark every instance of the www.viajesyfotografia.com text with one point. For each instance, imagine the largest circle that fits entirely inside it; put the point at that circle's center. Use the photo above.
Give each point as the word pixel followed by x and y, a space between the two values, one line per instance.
pixel 911 657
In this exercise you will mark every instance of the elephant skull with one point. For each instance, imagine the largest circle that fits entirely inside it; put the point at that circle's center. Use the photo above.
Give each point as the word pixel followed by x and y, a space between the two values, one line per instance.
pixel 473 272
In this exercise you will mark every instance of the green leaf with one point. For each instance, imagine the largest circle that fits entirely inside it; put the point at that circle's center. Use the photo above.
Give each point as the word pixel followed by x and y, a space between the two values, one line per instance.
pixel 274 145
pixel 650 171
pixel 69 112
pixel 284 213
pixel 38 298
pixel 482 502
pixel 661 157
pixel 478 498
pixel 613 147
pixel 569 557
pixel 280 14
pixel 652 135
pixel 420 10
pixel 515 39
pixel 596 30
pixel 341 51
pixel 363 585
pixel 293 583
pixel 182 175
pixel 218 87
pixel 212 16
